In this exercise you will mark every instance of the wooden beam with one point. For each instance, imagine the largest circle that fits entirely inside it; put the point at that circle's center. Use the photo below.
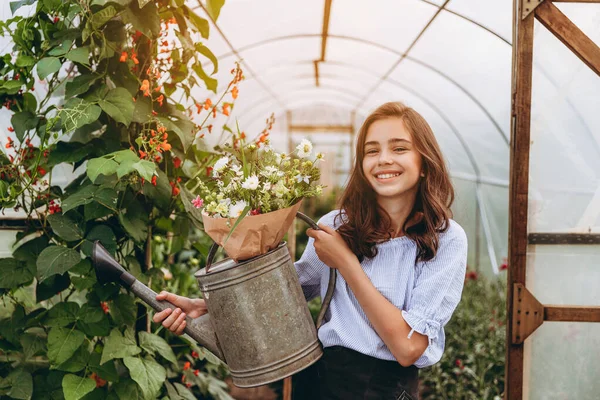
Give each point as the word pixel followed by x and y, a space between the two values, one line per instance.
pixel 572 313
pixel 564 238
pixel 568 33
pixel 519 188
pixel 322 128
pixel 325 29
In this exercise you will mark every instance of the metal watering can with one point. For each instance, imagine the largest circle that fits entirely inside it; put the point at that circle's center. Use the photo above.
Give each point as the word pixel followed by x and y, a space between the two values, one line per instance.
pixel 258 321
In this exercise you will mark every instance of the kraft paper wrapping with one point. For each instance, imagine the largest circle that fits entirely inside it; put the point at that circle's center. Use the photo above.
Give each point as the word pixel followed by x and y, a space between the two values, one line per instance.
pixel 255 235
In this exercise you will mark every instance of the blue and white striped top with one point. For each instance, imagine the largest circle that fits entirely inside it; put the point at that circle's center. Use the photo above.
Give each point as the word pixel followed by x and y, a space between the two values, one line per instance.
pixel 426 292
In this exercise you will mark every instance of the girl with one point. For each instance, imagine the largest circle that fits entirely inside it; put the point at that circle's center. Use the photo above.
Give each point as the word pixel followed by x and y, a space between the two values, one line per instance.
pixel 401 264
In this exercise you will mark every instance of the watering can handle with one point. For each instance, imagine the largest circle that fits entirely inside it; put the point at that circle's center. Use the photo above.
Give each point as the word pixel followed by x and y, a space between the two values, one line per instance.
pixel 332 272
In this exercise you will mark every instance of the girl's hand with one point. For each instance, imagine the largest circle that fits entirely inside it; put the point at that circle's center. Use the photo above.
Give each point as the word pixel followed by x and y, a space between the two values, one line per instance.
pixel 174 320
pixel 331 247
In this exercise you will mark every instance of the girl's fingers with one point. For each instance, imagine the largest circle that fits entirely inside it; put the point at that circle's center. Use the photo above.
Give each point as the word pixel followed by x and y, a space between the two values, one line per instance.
pixel 181 328
pixel 158 317
pixel 171 318
pixel 177 323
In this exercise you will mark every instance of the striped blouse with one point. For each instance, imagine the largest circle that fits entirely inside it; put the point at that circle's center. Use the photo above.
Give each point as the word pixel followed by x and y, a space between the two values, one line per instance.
pixel 426 292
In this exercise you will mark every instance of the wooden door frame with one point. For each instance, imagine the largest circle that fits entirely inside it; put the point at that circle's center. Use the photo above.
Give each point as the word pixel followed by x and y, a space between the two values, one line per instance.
pixel 524 312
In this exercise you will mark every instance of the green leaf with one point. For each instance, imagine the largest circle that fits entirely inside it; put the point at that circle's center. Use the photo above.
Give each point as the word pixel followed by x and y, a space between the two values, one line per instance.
pixel 75 387
pixel 105 235
pixel 135 222
pixel 100 328
pixel 68 152
pixel 102 17
pixel 142 111
pixel 147 373
pixel 56 260
pixel 51 5
pixel 15 5
pixel 90 313
pixel 161 194
pixel 129 390
pixel 62 344
pixel 14 273
pixel 22 122
pixel 107 197
pixel 62 314
pixel 32 344
pixel 82 196
pixel 77 113
pixel 100 166
pixel 77 362
pixel 178 392
pixel 106 371
pixel 182 128
pixel 115 31
pixel 155 344
pixel 123 310
pixel 24 60
pixel 80 84
pixel 145 20
pixel 29 103
pixel 20 383
pixel 95 210
pixel 211 83
pixel 65 227
pixel 119 104
pixel 79 55
pixel 214 8
pixel 119 346
pixel 47 66
pixel 124 155
pixel 125 168
pixel 51 286
pixel 202 49
pixel 145 168
pixel 61 49
pixel 194 213
pixel 200 23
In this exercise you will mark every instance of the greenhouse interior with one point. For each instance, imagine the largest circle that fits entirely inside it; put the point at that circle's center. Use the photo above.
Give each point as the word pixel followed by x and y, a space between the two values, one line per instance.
pixel 115 111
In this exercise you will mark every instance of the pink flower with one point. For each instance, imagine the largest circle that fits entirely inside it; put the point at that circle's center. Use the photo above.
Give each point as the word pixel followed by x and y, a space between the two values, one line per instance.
pixel 198 202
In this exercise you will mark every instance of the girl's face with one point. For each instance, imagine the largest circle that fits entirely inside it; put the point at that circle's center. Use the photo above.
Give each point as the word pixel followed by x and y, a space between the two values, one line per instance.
pixel 391 163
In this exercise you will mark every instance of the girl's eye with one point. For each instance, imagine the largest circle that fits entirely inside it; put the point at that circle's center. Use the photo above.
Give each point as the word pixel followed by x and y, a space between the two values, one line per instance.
pixel 372 151
pixel 400 149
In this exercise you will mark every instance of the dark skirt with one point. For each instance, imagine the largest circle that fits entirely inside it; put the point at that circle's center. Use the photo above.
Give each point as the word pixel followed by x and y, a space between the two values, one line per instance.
pixel 347 374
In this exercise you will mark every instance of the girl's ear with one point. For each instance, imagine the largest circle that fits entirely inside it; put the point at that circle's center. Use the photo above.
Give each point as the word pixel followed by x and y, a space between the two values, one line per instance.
pixel 422 174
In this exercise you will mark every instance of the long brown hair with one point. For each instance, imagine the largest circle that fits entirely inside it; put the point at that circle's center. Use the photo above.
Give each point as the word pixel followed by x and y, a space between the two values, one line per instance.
pixel 365 223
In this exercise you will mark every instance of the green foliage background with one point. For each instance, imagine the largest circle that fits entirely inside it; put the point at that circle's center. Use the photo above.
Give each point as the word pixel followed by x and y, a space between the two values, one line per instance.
pixel 62 333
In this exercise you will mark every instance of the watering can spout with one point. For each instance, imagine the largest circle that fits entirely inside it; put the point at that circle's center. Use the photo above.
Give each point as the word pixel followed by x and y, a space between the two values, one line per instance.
pixel 109 270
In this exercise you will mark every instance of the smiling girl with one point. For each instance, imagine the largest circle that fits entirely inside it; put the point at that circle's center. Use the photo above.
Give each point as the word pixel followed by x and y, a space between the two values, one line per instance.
pixel 401 263
pixel 400 258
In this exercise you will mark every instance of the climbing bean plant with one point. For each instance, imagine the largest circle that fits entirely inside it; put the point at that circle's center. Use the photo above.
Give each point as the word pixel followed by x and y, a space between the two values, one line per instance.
pixel 114 77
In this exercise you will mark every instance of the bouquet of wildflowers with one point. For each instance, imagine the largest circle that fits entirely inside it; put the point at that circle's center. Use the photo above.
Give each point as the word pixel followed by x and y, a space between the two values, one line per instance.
pixel 251 180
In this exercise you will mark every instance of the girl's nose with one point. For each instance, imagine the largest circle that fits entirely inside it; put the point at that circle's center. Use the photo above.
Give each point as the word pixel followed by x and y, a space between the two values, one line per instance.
pixel 385 157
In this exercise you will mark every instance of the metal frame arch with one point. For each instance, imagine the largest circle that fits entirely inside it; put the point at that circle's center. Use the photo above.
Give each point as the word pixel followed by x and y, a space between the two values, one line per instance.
pixel 503 134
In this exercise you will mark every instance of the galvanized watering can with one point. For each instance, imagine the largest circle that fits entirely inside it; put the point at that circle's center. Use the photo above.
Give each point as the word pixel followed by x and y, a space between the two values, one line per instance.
pixel 258 321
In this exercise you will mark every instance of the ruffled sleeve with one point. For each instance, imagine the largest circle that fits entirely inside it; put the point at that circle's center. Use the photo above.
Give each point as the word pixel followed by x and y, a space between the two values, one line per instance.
pixel 437 292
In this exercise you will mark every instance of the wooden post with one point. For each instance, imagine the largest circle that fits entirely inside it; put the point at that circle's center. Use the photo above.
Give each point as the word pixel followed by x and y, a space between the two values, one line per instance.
pixel 519 187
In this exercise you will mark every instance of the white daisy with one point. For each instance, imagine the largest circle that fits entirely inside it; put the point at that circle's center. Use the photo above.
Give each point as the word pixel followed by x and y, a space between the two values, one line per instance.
pixel 236 209
pixel 251 183
pixel 304 148
pixel 221 163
